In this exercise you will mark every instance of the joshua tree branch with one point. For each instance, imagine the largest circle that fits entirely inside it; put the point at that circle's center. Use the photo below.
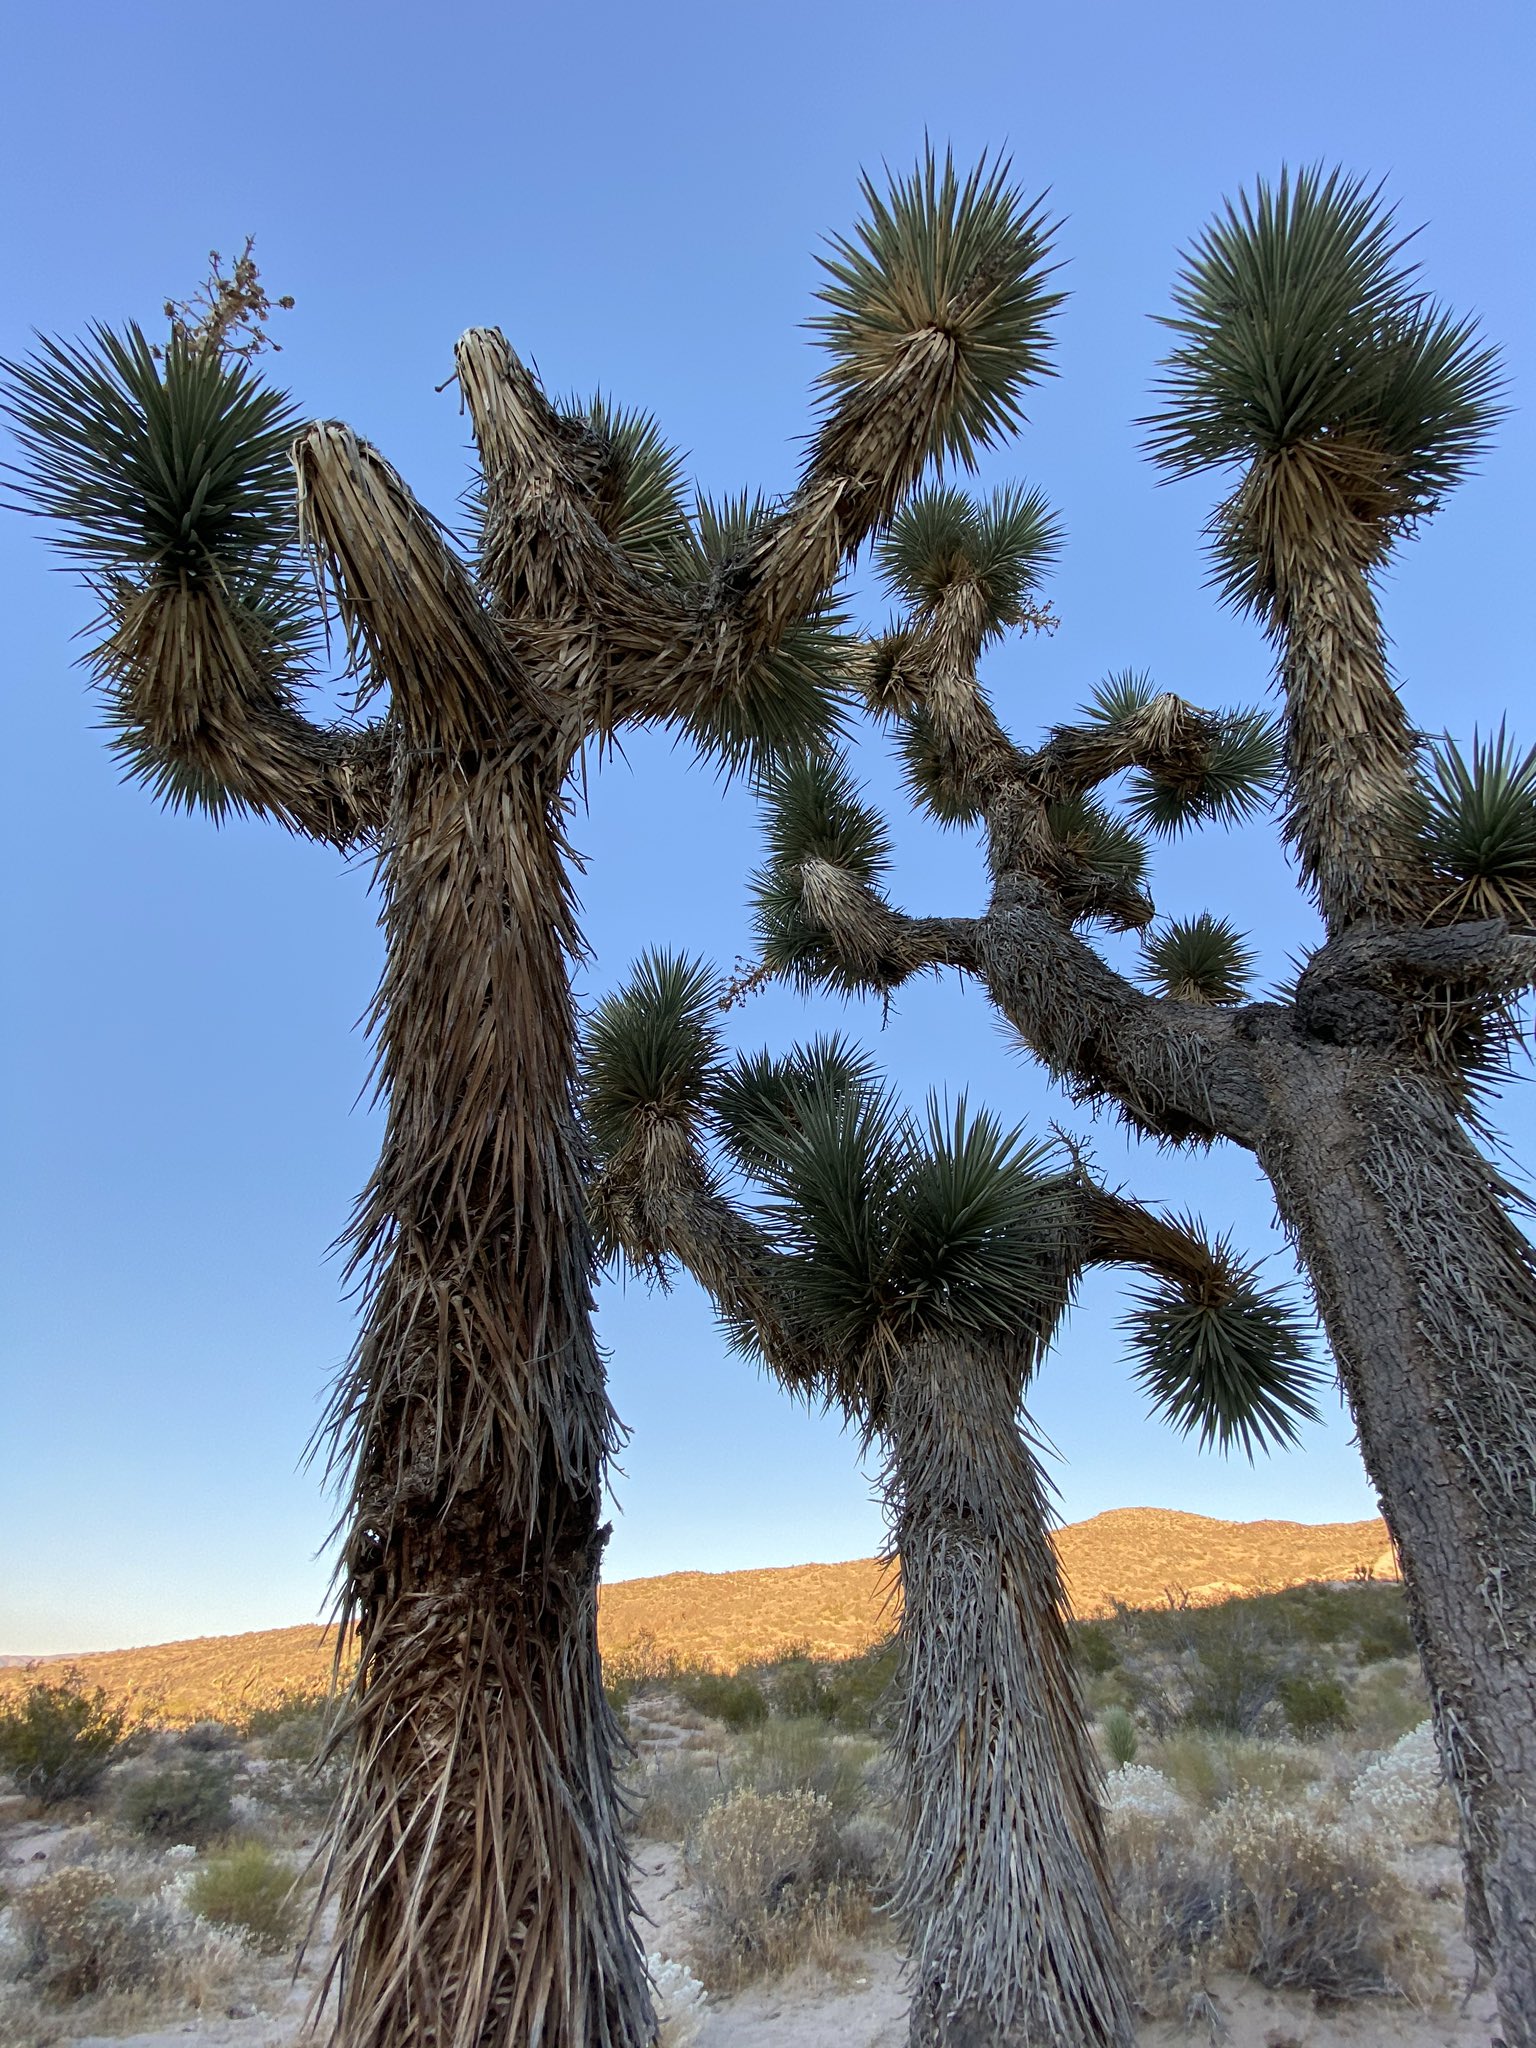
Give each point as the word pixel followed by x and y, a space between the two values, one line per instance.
pixel 208 717
pixel 406 600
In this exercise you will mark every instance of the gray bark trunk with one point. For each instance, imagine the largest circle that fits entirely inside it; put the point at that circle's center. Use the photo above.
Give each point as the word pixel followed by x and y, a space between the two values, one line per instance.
pixel 1428 1294
pixel 1004 1896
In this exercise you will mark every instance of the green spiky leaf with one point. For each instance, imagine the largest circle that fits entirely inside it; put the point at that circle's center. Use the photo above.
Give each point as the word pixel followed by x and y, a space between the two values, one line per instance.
pixel 929 775
pixel 1299 324
pixel 1120 698
pixel 1103 843
pixel 980 1224
pixel 1222 1355
pixel 1478 827
pixel 640 502
pixel 934 255
pixel 789 701
pixel 650 1049
pixel 154 469
pixel 1204 960
pixel 813 813
pixel 1000 550
pixel 752 1103
pixel 1236 779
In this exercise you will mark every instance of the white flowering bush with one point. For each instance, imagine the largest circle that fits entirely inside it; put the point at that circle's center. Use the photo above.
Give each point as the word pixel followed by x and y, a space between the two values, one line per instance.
pixel 680 2002
pixel 1401 1797
pixel 1138 1793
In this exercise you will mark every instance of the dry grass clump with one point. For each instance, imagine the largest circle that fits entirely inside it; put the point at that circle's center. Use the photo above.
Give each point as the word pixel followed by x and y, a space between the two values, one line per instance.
pixel 768 1869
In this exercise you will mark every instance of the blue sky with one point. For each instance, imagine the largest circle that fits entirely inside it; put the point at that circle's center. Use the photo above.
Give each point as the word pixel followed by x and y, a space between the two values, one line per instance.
pixel 635 195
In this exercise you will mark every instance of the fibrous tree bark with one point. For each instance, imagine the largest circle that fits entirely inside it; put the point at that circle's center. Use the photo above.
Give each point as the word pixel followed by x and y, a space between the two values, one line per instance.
pixel 1306 354
pixel 914 1279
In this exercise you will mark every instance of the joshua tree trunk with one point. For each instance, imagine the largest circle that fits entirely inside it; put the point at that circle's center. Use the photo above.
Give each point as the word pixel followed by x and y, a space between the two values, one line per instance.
pixel 476 1414
pixel 1005 1894
pixel 1428 1294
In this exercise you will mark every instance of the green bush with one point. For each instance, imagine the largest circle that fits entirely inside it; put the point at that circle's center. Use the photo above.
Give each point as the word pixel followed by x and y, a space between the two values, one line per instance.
pixel 249 1889
pixel 800 1693
pixel 806 1756
pixel 1120 1736
pixel 1312 1705
pixel 738 1702
pixel 56 1740
pixel 186 1801
pixel 1095 1648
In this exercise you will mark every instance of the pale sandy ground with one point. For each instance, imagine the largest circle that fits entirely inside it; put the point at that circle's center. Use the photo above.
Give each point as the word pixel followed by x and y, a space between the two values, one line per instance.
pixel 861 2006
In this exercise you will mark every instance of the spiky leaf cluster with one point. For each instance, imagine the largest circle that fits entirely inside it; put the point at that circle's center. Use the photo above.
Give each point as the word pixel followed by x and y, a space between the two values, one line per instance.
pixel 1201 960
pixel 752 1101
pixel 158 469
pixel 1478 827
pixel 650 1050
pixel 943 539
pixel 1235 779
pixel 813 814
pixel 1106 845
pixel 1299 323
pixel 788 702
pixel 937 257
pixel 640 498
pixel 1221 1355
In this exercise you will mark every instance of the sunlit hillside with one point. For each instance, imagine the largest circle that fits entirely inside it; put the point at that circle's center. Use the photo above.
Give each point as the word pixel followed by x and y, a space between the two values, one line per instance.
pixel 1138 1557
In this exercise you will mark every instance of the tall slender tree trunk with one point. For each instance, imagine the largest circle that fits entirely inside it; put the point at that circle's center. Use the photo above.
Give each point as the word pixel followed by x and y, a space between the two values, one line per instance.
pixel 1004 1895
pixel 479 1863
pixel 1428 1293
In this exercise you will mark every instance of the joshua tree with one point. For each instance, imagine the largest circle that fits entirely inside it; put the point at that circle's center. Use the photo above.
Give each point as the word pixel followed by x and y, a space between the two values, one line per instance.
pixel 911 1276
pixel 1307 360
pixel 477 1856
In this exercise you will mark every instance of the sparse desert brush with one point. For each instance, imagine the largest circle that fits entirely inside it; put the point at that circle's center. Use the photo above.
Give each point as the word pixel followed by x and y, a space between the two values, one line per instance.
pixel 1313 1704
pixel 670 1792
pixel 82 1938
pixel 1208 1767
pixel 58 1737
pixel 737 1701
pixel 1307 1907
pixel 807 1756
pixel 186 1800
pixel 770 1883
pixel 1401 1797
pixel 250 1891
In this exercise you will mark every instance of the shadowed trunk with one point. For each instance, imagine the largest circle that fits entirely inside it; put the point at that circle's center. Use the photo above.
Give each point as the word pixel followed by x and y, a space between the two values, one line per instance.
pixel 479 1862
pixel 1004 1897
pixel 1428 1293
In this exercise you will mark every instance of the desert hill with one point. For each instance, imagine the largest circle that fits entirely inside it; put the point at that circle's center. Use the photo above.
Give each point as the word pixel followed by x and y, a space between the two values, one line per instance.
pixel 1136 1556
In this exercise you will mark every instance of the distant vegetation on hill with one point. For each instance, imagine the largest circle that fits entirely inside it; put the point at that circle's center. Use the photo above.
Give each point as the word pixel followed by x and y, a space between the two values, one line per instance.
pixel 1131 1557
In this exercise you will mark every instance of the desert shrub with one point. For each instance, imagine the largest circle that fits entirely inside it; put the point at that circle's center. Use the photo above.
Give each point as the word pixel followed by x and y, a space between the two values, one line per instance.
pixel 671 1792
pixel 186 1801
pixel 1120 1739
pixel 739 1702
pixel 296 1739
pixel 249 1890
pixel 857 1693
pixel 1388 1636
pixel 680 2002
pixel 806 1756
pixel 1208 1767
pixel 1313 1705
pixel 1401 1797
pixel 57 1739
pixel 631 1667
pixel 1306 1909
pixel 1233 1677
pixel 1387 1701
pixel 1095 1648
pixel 800 1693
pixel 209 1738
pixel 1169 1909
pixel 258 1719
pixel 762 1864
pixel 82 1938
pixel 1140 1795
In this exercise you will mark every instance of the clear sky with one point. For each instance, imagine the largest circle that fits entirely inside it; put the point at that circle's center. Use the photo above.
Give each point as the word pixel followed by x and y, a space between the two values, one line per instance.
pixel 635 194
